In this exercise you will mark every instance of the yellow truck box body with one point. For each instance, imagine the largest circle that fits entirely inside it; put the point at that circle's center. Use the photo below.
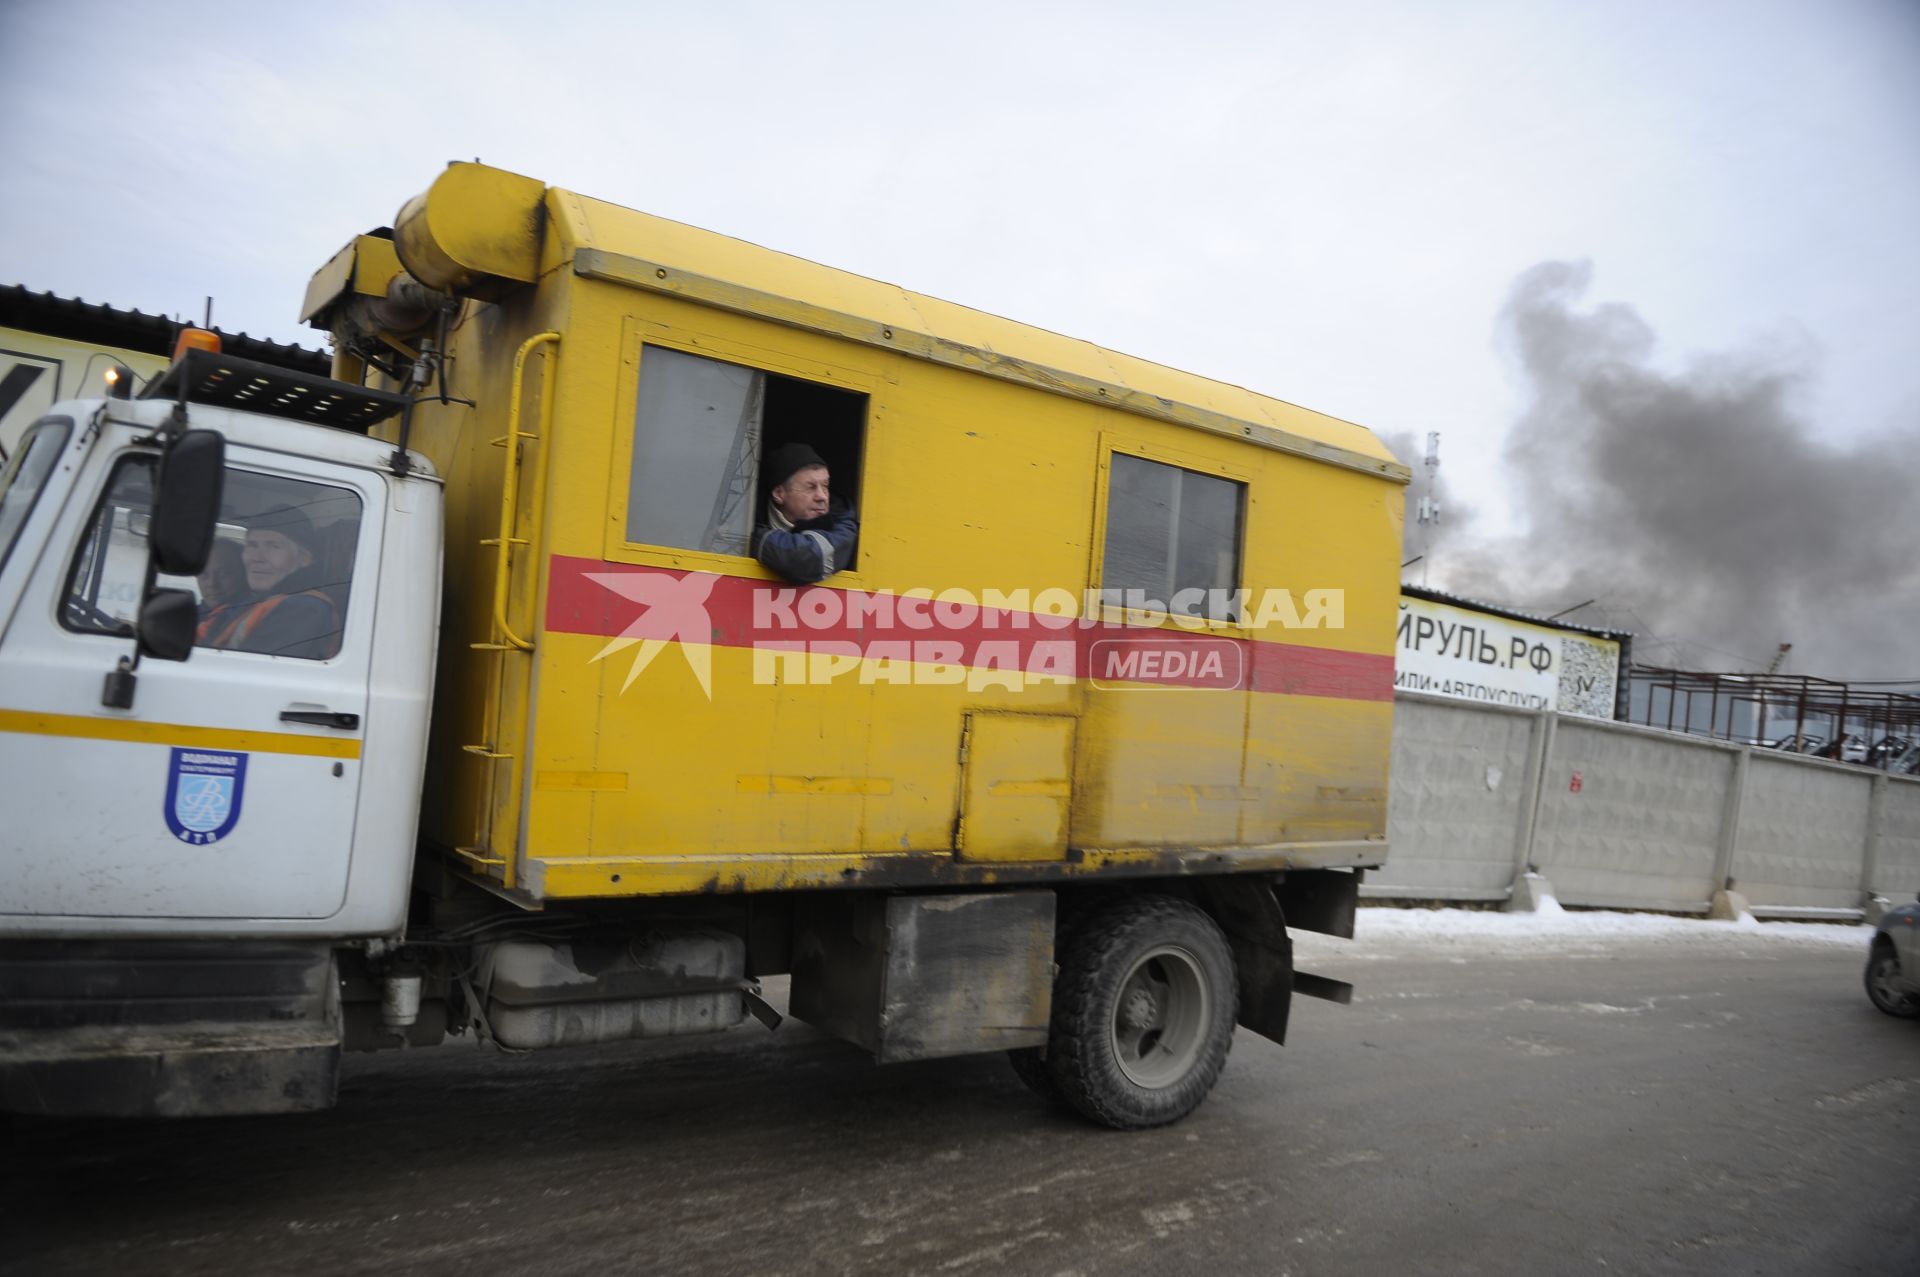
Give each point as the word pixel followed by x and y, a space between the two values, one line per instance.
pixel 621 718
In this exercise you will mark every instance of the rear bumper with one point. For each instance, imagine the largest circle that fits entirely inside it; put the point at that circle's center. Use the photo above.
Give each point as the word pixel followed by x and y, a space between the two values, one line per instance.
pixel 167 1028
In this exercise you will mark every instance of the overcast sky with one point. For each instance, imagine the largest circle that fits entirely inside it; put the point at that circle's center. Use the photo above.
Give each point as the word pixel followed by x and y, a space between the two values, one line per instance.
pixel 1325 202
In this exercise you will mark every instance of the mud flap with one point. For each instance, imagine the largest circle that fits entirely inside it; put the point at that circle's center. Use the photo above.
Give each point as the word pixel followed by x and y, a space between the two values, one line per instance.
pixel 1250 910
pixel 1247 910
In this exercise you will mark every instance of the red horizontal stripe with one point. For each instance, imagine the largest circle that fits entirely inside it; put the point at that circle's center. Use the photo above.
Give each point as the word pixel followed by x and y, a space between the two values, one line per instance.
pixel 729 611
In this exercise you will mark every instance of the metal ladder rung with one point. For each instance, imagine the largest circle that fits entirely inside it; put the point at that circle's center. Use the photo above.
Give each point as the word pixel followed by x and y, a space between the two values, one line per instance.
pixel 483 751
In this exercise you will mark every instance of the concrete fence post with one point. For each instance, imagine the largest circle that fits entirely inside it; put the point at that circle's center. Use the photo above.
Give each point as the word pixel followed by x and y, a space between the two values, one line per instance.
pixel 1725 902
pixel 1524 894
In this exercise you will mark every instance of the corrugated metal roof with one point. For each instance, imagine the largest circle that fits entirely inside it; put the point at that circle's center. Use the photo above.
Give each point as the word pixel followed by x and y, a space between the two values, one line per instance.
pixel 1511 613
pixel 75 319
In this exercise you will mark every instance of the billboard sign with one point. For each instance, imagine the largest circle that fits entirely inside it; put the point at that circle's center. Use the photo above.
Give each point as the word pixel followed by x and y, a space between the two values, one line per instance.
pixel 1446 650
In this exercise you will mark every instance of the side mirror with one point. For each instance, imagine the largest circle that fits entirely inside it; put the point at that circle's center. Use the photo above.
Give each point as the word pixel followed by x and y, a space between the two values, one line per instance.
pixel 168 620
pixel 186 509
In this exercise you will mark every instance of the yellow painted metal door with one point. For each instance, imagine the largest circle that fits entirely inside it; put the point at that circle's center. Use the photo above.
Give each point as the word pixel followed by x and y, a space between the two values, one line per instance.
pixel 1018 790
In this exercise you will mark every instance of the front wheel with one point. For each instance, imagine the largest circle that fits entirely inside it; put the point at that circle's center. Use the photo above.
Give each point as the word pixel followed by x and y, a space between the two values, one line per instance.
pixel 1885 989
pixel 1143 1013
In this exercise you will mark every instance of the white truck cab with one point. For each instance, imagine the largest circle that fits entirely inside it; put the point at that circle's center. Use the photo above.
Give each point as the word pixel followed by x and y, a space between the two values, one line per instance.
pixel 260 790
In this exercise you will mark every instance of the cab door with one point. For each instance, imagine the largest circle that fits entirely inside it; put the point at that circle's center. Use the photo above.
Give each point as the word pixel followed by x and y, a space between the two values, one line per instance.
pixel 229 788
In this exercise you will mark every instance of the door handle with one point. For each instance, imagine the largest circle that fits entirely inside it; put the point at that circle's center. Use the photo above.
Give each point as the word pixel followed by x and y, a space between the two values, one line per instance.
pixel 321 718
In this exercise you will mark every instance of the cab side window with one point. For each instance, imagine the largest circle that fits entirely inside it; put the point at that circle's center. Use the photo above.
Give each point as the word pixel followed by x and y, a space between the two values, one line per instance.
pixel 1173 539
pixel 278 582
pixel 701 428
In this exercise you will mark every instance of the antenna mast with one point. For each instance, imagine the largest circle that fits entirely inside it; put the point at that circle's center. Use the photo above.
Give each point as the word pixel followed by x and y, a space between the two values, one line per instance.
pixel 1428 509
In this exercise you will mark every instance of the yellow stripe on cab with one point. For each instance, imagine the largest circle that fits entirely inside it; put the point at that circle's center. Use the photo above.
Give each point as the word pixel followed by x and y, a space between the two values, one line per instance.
pixel 31 723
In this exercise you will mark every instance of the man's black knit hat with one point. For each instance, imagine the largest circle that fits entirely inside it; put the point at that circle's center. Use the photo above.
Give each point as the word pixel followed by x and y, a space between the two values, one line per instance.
pixel 788 460
pixel 295 524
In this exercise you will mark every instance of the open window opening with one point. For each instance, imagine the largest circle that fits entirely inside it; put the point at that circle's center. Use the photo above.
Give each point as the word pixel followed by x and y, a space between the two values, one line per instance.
pixel 702 431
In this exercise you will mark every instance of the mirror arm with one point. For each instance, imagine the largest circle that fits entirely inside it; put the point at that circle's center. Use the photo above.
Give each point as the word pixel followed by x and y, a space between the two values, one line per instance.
pixel 402 464
pixel 167 431
pixel 117 691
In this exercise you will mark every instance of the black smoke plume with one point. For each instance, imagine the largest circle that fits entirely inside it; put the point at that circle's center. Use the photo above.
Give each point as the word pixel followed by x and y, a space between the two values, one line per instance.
pixel 1703 510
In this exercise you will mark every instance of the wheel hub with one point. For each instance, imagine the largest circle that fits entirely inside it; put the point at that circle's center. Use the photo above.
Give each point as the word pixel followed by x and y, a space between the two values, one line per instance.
pixel 1160 1019
pixel 1139 1010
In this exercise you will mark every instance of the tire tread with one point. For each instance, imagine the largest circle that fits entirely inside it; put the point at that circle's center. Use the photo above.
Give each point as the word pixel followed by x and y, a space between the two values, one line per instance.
pixel 1078 1048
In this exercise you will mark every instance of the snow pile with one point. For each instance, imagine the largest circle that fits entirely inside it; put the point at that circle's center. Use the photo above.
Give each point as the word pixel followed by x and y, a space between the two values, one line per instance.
pixel 1554 927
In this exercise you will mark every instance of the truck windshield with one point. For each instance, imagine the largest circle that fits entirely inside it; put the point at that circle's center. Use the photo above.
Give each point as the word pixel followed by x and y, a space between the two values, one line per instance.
pixel 26 474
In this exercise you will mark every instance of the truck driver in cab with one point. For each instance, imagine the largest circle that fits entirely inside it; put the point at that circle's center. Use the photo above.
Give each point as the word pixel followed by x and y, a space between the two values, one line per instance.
pixel 285 612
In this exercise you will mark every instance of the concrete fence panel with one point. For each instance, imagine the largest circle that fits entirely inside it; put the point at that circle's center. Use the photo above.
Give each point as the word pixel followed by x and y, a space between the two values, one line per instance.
pixel 1803 834
pixel 1896 864
pixel 1631 817
pixel 1460 787
pixel 1622 816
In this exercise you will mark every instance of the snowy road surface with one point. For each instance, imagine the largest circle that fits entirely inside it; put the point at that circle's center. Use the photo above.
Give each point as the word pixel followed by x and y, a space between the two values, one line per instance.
pixel 1573 1093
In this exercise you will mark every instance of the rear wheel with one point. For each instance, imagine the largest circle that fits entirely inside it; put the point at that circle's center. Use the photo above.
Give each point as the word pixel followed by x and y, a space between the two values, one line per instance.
pixel 1143 1013
pixel 1885 988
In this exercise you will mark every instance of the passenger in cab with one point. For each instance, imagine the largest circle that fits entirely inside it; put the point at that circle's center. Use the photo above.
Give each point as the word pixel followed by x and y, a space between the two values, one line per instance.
pixel 286 611
pixel 806 536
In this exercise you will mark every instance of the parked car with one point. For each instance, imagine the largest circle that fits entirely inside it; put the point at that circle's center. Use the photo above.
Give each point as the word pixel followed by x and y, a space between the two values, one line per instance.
pixel 1893 963
pixel 1800 744
pixel 1887 751
pixel 1848 749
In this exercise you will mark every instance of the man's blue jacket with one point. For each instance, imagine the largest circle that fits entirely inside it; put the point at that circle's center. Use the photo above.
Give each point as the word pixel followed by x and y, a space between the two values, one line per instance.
pixel 809 551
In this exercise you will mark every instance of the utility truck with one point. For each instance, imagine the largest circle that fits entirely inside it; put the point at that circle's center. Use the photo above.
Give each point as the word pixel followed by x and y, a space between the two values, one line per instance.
pixel 507 730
